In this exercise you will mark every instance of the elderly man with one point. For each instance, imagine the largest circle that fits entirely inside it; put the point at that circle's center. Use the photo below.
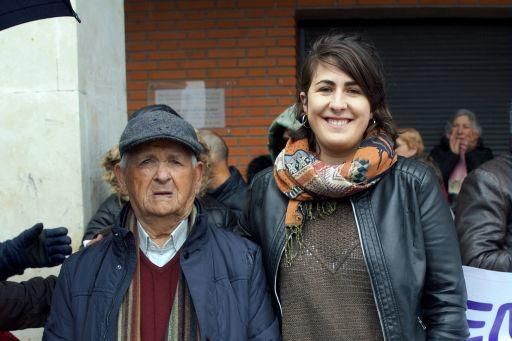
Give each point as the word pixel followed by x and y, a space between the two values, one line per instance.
pixel 164 273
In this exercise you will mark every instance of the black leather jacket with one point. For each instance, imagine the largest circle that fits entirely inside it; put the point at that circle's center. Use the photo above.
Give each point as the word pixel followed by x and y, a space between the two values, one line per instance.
pixel 483 216
pixel 409 244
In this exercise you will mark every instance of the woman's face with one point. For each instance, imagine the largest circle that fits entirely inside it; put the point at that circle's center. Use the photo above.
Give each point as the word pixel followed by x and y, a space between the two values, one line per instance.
pixel 462 129
pixel 338 113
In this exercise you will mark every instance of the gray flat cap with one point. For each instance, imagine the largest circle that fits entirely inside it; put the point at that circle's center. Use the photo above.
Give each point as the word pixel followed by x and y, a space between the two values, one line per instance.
pixel 158 122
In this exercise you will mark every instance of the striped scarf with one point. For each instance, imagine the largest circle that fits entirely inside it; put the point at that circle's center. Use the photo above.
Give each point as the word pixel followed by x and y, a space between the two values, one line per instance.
pixel 183 324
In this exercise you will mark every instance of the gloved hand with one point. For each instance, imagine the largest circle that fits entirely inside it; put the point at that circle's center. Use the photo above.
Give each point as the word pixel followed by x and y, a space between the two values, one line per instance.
pixel 37 248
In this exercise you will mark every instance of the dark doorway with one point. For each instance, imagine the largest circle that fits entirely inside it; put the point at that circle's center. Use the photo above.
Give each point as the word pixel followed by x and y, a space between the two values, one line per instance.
pixel 436 66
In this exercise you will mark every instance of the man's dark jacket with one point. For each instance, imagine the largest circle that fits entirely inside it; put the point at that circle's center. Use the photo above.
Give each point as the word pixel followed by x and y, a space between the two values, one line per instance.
pixel 224 274
pixel 446 160
pixel 483 216
pixel 409 245
pixel 232 192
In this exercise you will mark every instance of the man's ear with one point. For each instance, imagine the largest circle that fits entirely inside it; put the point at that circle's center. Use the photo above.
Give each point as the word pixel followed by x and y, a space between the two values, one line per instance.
pixel 199 174
pixel 118 171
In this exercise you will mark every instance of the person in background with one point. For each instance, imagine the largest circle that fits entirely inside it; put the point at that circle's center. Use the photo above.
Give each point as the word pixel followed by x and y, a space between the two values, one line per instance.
pixel 460 151
pixel 164 272
pixel 280 130
pixel 483 214
pixel 258 164
pixel 225 183
pixel 27 304
pixel 409 143
pixel 357 243
pixel 110 208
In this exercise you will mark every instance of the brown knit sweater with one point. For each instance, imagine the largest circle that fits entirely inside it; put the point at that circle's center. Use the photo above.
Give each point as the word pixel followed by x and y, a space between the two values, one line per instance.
pixel 326 292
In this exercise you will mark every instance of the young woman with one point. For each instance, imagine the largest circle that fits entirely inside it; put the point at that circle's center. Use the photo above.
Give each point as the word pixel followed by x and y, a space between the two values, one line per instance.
pixel 358 244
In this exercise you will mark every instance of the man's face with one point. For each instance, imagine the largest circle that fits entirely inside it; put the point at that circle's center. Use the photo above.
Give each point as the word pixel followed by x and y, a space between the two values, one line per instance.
pixel 161 180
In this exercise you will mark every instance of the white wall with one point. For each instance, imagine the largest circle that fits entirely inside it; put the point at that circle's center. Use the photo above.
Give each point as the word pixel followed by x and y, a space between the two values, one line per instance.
pixel 62 105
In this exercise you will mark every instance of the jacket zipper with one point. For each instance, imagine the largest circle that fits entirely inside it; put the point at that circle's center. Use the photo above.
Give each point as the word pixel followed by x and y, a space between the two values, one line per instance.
pixel 420 321
pixel 275 279
pixel 368 270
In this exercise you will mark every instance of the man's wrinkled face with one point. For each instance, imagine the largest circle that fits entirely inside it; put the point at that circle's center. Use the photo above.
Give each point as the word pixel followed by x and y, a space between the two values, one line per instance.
pixel 162 179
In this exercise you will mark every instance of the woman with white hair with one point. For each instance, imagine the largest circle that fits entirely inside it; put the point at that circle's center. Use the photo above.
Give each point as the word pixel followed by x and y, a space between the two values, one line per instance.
pixel 460 151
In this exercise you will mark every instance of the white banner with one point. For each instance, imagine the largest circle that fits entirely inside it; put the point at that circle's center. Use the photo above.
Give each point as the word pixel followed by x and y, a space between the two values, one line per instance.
pixel 489 304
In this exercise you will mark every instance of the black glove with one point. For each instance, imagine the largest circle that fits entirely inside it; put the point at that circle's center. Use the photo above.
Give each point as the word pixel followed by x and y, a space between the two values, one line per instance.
pixel 37 248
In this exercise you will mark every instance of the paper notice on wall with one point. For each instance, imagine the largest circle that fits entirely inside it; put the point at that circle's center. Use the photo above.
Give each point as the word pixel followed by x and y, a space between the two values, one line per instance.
pixel 202 107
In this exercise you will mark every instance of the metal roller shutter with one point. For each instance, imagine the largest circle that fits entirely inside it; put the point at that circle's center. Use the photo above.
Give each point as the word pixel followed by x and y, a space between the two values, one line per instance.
pixel 436 66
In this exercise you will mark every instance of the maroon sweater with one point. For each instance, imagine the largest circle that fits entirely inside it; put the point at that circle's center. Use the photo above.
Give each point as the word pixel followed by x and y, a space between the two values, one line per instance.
pixel 158 286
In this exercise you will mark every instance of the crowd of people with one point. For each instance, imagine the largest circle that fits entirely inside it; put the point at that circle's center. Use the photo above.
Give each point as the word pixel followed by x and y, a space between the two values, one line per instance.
pixel 345 230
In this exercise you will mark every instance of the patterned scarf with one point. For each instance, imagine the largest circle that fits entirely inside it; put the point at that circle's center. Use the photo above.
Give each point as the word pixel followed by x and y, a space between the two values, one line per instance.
pixel 304 178
pixel 183 324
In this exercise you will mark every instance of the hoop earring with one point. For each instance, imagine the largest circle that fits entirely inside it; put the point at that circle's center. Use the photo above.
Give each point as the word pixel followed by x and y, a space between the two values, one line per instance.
pixel 373 122
pixel 304 121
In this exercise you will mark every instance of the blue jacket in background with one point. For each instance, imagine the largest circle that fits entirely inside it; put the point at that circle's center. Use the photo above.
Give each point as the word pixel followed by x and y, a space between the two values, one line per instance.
pixel 224 273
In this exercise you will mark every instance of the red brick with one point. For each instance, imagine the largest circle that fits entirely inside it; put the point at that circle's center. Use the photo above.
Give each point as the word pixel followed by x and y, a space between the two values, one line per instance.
pixel 166 16
pixel 437 2
pixel 251 141
pixel 257 62
pixel 197 54
pixel 136 86
pixel 139 66
pixel 196 74
pixel 256 52
pixel 375 2
pixel 196 4
pixel 196 35
pixel 166 65
pixel 281 12
pixel 284 91
pixel 136 75
pixel 257 102
pixel 252 122
pixel 256 72
pixel 281 51
pixel 176 74
pixel 316 3
pixel 263 42
pixel 226 43
pixel 142 46
pixel 226 14
pixel 225 34
pixel 286 62
pixel 255 13
pixel 137 95
pixel 196 44
pixel 227 73
pixel 226 53
pixel 281 32
pixel 495 2
pixel 276 71
pixel 257 82
pixel 227 63
pixel 168 55
pixel 255 4
pixel 166 35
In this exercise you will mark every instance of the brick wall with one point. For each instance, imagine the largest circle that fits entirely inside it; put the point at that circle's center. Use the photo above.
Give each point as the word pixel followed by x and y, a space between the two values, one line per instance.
pixel 246 47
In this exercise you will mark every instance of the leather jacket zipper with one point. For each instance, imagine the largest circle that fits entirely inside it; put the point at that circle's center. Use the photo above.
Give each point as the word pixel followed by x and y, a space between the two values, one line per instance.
pixel 420 321
pixel 275 278
pixel 368 269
